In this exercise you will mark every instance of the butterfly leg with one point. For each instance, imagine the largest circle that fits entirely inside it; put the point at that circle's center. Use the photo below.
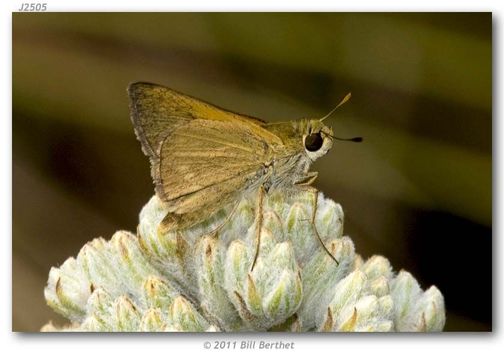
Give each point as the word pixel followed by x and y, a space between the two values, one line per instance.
pixel 305 185
pixel 259 222
pixel 175 222
pixel 226 220
pixel 314 214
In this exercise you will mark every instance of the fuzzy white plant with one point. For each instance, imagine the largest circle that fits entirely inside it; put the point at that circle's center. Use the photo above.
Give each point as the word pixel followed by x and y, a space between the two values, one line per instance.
pixel 193 281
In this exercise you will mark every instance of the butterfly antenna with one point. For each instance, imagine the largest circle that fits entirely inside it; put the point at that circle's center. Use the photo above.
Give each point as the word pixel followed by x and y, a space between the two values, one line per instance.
pixel 345 99
pixel 354 139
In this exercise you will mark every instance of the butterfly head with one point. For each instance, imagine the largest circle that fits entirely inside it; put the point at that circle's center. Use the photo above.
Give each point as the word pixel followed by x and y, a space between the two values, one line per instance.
pixel 317 139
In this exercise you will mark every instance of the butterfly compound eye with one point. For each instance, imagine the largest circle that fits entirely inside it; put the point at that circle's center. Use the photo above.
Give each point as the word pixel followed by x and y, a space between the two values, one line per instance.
pixel 313 142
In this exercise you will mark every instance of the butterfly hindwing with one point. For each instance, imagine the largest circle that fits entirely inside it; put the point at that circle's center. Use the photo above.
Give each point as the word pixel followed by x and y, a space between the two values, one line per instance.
pixel 209 160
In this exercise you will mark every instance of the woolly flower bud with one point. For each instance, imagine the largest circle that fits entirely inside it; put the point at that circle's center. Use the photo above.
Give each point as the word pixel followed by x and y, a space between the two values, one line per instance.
pixel 200 279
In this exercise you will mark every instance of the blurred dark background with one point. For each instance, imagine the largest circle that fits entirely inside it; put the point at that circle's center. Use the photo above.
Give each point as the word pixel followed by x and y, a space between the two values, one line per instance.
pixel 418 190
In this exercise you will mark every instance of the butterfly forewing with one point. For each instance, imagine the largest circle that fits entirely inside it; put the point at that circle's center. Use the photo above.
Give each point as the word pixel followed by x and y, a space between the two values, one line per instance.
pixel 157 110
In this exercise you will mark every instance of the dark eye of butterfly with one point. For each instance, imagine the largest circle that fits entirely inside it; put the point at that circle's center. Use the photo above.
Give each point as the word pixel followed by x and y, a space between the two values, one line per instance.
pixel 313 142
